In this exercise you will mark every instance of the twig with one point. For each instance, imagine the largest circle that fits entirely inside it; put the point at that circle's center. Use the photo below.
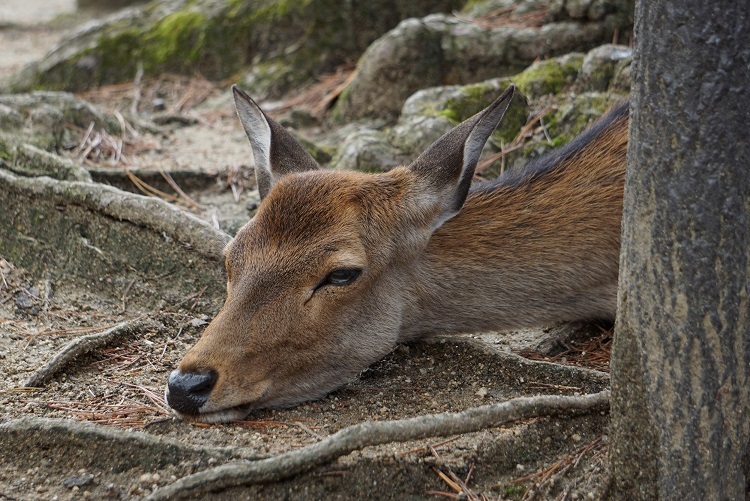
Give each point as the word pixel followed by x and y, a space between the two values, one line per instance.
pixel 136 90
pixel 544 478
pixel 85 137
pixel 168 178
pixel 376 433
pixel 80 347
pixel 125 296
pixel 544 129
pixel 433 446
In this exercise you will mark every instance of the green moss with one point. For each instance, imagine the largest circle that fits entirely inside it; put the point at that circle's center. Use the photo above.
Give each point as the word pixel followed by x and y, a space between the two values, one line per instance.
pixel 180 34
pixel 277 9
pixel 548 77
pixel 321 154
pixel 560 140
pixel 475 97
pixel 7 148
pixel 573 118
pixel 217 38
pixel 514 491
pixel 449 114
pixel 273 76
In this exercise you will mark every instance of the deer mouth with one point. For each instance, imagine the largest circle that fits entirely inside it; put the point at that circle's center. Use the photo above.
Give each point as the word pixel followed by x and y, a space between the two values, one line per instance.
pixel 236 413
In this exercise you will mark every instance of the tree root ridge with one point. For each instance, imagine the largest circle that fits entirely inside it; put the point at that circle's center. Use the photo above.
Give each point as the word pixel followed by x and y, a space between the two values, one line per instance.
pixel 373 433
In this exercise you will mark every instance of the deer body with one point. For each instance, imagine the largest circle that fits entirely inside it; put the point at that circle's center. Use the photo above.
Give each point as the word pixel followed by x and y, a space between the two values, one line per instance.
pixel 529 250
pixel 337 268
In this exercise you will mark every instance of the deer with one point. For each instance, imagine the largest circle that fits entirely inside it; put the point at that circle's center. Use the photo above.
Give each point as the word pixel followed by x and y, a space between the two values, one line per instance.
pixel 338 267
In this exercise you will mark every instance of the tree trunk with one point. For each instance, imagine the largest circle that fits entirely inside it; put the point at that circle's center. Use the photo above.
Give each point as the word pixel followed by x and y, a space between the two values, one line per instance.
pixel 680 362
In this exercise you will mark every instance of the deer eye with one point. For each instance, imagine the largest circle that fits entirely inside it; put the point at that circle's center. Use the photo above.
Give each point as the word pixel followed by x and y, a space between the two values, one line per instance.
pixel 342 276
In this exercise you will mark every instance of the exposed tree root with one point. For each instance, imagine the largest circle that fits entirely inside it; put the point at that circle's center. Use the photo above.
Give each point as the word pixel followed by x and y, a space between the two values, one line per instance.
pixel 119 450
pixel 82 346
pixel 376 433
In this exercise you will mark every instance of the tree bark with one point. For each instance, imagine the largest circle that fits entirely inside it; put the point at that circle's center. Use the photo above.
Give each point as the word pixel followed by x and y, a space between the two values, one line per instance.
pixel 680 361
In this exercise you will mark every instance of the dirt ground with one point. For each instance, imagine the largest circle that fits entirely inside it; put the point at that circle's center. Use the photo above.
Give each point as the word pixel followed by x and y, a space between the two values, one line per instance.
pixel 120 387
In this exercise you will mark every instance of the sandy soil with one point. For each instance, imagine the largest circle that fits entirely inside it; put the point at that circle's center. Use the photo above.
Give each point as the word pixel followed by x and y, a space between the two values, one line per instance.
pixel 121 386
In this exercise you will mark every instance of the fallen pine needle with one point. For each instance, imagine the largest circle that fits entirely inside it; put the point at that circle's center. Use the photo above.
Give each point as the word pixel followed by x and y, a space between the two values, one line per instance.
pixel 79 347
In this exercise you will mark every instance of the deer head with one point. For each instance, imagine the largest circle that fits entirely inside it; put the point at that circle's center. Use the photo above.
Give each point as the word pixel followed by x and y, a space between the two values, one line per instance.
pixel 321 280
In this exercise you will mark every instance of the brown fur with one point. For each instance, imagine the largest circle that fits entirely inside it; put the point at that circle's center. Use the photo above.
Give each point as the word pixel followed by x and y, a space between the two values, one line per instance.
pixel 528 249
pixel 551 239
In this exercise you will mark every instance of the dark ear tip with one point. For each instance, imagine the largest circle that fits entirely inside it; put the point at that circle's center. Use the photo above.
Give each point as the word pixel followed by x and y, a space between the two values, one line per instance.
pixel 239 93
pixel 509 92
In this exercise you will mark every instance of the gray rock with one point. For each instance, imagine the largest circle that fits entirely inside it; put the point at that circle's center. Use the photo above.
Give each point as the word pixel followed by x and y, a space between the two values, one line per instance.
pixel 577 9
pixel 440 49
pixel 48 109
pixel 621 78
pixel 575 116
pixel 600 8
pixel 395 66
pixel 599 66
pixel 23 301
pixel 618 12
pixel 414 133
pixel 366 150
pixel 10 119
pixel 78 480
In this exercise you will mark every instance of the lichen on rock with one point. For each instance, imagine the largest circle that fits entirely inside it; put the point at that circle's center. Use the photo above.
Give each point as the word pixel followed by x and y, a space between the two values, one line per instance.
pixel 599 66
pixel 575 116
pixel 549 76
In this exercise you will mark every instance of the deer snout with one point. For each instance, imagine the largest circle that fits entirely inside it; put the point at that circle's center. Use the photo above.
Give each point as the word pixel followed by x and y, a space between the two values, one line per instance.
pixel 188 391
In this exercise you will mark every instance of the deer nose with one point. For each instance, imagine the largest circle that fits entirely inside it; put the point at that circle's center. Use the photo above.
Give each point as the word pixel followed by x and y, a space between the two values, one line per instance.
pixel 188 391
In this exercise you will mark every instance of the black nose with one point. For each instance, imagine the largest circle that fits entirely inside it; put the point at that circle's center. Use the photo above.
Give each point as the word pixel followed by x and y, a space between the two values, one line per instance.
pixel 188 391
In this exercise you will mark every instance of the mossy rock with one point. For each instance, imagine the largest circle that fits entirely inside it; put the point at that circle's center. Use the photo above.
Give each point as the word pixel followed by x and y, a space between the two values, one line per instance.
pixel 600 66
pixel 439 50
pixel 366 150
pixel 430 113
pixel 574 117
pixel 621 79
pixel 39 119
pixel 549 76
pixel 476 97
pixel 217 38
pixel 321 154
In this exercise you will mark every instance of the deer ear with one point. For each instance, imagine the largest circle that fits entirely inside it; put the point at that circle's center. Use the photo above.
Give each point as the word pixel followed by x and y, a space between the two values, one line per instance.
pixel 445 170
pixel 276 152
